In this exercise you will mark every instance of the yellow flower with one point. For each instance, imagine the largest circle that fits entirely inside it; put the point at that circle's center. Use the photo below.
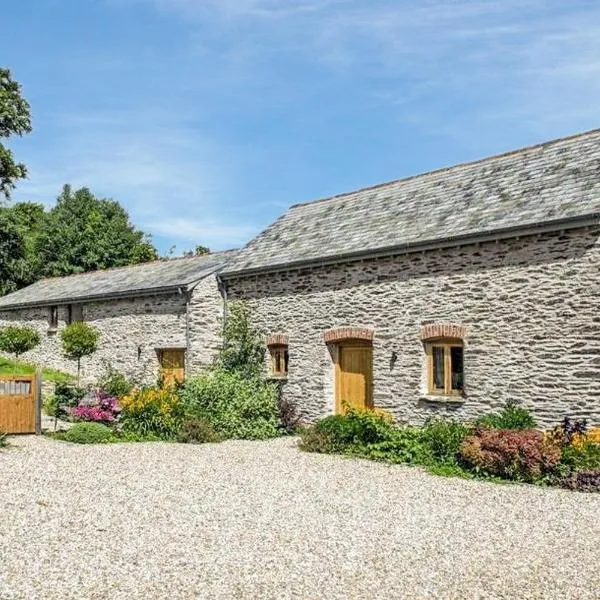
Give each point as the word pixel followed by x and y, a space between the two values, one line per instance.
pixel 592 436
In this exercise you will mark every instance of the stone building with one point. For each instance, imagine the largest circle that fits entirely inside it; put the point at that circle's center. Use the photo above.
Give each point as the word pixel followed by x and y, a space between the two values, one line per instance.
pixel 450 292
pixel 161 315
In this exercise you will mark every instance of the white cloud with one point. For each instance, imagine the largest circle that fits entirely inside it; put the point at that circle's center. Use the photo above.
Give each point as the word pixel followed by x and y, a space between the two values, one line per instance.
pixel 463 70
pixel 264 9
pixel 208 232
pixel 152 164
pixel 534 57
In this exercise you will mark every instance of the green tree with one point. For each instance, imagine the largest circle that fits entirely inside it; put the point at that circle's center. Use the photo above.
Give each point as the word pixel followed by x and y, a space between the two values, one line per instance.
pixel 243 350
pixel 78 340
pixel 198 251
pixel 84 233
pixel 15 119
pixel 12 253
pixel 27 220
pixel 18 340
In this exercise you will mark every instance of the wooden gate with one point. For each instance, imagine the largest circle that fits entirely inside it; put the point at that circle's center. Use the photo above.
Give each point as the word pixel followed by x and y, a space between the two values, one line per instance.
pixel 20 403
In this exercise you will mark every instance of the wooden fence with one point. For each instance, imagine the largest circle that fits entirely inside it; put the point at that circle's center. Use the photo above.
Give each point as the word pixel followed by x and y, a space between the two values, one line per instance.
pixel 20 403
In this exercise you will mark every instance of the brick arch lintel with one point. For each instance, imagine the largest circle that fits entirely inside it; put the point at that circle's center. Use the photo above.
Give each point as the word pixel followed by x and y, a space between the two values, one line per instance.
pixel 278 339
pixel 443 330
pixel 348 333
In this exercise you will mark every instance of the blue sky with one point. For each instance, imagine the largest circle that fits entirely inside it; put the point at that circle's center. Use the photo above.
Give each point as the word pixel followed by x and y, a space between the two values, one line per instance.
pixel 207 118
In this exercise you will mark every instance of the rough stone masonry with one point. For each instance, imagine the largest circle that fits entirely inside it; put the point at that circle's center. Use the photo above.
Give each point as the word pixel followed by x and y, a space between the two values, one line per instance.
pixel 131 330
pixel 528 306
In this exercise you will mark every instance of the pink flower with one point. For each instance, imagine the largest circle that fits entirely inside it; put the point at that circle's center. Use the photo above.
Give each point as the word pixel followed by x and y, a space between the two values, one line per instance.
pixel 103 409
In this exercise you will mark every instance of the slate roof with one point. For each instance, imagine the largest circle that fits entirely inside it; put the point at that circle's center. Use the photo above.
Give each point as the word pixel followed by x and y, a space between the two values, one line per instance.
pixel 137 280
pixel 551 182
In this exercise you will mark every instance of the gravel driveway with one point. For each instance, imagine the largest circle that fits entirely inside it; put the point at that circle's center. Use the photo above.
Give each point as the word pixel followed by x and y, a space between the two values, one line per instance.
pixel 263 520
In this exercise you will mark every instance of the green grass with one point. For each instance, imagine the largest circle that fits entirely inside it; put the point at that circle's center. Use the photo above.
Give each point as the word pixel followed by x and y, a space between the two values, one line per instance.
pixel 13 367
pixel 116 438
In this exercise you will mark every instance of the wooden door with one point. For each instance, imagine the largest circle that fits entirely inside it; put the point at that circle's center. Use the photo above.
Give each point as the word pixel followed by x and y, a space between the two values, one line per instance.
pixel 18 404
pixel 354 377
pixel 172 365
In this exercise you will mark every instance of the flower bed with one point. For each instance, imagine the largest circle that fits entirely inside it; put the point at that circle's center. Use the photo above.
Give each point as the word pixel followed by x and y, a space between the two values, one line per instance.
pixel 504 446
pixel 100 409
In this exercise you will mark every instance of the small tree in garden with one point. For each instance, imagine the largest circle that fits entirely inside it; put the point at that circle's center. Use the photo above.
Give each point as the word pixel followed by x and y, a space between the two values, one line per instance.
pixel 243 350
pixel 18 340
pixel 78 340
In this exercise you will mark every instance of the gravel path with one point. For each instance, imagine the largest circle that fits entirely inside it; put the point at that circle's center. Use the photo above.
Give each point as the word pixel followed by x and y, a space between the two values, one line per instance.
pixel 263 520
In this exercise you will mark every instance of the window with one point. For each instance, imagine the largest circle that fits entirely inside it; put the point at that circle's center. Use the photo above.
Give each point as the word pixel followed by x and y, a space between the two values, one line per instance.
pixel 279 361
pixel 445 367
pixel 75 313
pixel 53 317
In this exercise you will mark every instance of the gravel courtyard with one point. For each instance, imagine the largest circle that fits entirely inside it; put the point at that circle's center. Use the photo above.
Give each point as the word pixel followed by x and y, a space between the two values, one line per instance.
pixel 263 520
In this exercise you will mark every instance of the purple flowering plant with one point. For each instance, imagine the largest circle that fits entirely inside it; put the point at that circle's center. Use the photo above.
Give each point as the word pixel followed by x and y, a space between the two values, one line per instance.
pixel 100 409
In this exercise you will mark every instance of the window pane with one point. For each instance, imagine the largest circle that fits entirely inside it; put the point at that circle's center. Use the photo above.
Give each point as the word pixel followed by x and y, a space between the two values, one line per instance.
pixel 287 360
pixel 456 354
pixel 438 367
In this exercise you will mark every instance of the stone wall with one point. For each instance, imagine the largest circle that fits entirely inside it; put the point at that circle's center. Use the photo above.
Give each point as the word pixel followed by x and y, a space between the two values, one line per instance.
pixel 131 329
pixel 205 324
pixel 530 307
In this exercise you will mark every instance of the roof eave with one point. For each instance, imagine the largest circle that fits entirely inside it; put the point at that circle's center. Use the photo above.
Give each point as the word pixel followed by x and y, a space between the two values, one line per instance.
pixel 183 286
pixel 186 286
pixel 95 297
pixel 420 246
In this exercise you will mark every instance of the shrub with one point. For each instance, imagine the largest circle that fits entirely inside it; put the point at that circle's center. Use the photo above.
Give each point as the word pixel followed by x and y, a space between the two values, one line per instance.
pixel 519 455
pixel 18 340
pixel 405 445
pixel 593 435
pixel 78 340
pixel 3 439
pixel 358 427
pixel 196 431
pixel 443 439
pixel 568 432
pixel 115 384
pixel 583 481
pixel 65 398
pixel 152 411
pixel 289 420
pixel 512 416
pixel 48 404
pixel 336 424
pixel 580 456
pixel 352 432
pixel 334 431
pixel 102 409
pixel 243 350
pixel 315 440
pixel 88 433
pixel 236 406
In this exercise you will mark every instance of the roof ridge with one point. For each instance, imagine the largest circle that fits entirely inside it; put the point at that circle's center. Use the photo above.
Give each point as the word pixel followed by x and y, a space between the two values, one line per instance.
pixel 457 166
pixel 134 265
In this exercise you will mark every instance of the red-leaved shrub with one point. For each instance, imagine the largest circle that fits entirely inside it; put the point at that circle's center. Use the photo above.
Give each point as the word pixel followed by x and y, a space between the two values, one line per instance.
pixel 518 455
